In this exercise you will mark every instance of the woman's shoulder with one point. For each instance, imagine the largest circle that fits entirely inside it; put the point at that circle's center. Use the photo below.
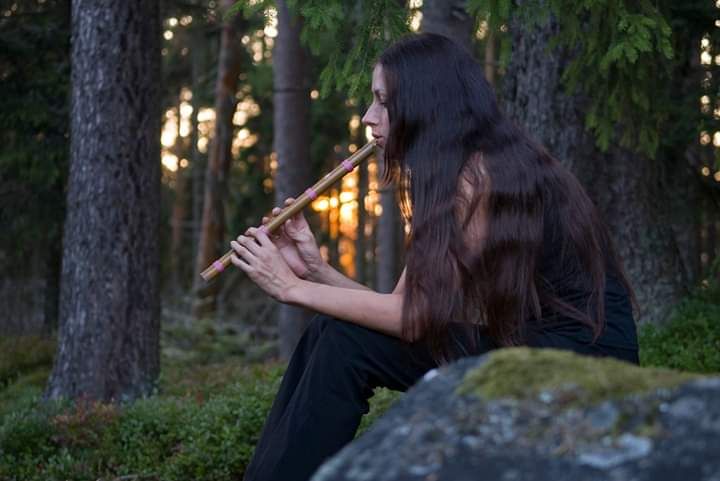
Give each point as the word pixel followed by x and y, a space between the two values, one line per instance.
pixel 470 205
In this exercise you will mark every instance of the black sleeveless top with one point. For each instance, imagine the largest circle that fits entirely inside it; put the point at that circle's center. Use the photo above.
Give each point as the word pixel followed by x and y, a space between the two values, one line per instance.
pixel 618 337
pixel 561 274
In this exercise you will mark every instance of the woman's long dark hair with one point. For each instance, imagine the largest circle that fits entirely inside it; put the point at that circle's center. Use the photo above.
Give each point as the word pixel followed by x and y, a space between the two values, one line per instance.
pixel 542 229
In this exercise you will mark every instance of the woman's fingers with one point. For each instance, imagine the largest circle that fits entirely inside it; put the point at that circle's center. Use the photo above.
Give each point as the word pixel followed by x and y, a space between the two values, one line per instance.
pixel 240 249
pixel 283 231
pixel 259 239
pixel 298 215
pixel 241 257
pixel 235 259
pixel 245 243
pixel 275 211
pixel 248 249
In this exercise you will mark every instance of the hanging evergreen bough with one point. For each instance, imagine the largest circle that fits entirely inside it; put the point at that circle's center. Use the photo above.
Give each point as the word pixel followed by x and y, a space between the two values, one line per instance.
pixel 623 53
pixel 379 23
pixel 358 30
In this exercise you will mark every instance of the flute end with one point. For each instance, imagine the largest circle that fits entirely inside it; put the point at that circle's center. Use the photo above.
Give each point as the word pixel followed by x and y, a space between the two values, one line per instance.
pixel 214 269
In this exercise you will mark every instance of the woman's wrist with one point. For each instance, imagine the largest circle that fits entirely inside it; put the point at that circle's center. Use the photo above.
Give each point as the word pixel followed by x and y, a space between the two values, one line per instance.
pixel 317 274
pixel 292 293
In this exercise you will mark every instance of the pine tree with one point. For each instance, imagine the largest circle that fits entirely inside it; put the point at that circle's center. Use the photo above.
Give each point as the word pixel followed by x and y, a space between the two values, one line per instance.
pixel 108 340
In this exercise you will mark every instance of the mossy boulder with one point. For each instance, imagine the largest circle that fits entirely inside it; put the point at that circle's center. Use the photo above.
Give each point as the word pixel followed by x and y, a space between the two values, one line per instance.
pixel 526 414
pixel 526 373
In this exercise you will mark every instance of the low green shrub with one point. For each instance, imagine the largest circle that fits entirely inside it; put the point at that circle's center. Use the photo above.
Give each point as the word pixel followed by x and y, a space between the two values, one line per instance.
pixel 25 363
pixel 165 438
pixel 21 393
pixel 690 340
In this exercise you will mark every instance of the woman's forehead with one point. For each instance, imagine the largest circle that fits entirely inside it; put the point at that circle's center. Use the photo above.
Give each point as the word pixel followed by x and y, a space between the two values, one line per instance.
pixel 378 79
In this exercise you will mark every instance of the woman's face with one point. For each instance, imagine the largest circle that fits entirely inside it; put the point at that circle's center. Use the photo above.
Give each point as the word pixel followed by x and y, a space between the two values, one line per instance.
pixel 376 116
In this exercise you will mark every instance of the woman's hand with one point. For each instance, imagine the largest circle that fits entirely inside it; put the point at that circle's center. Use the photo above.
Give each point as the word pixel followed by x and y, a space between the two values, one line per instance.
pixel 296 243
pixel 258 257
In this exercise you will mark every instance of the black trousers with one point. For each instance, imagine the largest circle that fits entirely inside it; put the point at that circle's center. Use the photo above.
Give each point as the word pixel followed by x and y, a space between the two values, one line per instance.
pixel 325 391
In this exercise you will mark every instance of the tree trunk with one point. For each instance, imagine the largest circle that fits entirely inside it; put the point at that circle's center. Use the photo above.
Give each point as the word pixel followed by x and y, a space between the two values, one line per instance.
pixel 177 225
pixel 691 192
pixel 448 18
pixel 197 164
pixel 333 232
pixel 291 126
pixel 388 227
pixel 211 243
pixel 685 189
pixel 711 239
pixel 361 244
pixel 617 181
pixel 178 215
pixel 108 345
pixel 360 240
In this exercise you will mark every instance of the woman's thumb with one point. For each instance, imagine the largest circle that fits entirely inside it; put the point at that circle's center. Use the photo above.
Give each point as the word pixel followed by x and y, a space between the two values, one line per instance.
pixel 291 228
pixel 296 230
pixel 299 219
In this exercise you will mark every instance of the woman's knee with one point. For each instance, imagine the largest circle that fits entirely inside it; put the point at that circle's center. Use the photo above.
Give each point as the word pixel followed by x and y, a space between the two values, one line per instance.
pixel 332 331
pixel 349 345
pixel 369 357
pixel 317 323
pixel 346 339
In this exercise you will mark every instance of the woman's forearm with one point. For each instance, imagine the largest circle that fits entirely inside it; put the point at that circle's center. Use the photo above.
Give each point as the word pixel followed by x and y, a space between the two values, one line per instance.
pixel 328 275
pixel 381 312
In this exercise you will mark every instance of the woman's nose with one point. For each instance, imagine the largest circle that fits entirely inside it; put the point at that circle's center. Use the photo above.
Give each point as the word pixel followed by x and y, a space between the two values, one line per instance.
pixel 367 118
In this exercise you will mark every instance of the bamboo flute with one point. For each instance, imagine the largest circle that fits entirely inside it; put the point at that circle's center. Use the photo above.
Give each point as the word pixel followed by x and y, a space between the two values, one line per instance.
pixel 345 167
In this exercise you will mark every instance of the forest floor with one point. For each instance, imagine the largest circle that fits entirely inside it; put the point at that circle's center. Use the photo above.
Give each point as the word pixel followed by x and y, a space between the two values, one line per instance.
pixel 213 394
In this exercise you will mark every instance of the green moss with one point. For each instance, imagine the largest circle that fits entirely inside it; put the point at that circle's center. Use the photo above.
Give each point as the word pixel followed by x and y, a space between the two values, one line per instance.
pixel 205 343
pixel 181 379
pixel 524 373
pixel 21 354
pixel 380 402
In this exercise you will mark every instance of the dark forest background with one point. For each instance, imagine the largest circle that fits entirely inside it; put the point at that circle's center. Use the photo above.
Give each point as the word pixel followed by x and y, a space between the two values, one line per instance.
pixel 138 137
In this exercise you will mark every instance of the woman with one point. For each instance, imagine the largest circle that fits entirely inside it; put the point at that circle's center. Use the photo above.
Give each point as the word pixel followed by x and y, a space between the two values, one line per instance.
pixel 505 249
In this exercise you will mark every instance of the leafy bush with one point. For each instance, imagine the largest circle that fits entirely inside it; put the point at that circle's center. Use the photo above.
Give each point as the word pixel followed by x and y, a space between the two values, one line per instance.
pixel 690 341
pixel 25 363
pixel 167 438
pixel 23 391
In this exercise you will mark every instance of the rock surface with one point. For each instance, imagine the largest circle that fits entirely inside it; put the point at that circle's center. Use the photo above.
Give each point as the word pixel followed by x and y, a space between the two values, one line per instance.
pixel 558 417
